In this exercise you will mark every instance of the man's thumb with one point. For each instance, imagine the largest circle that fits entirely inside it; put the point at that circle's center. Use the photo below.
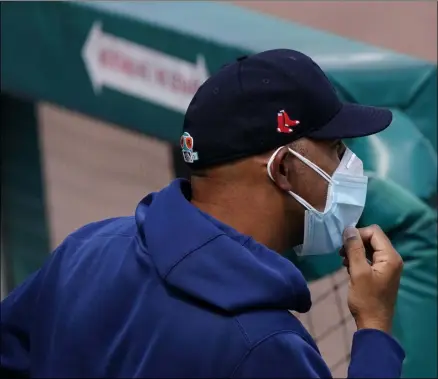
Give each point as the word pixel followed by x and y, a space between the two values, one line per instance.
pixel 354 248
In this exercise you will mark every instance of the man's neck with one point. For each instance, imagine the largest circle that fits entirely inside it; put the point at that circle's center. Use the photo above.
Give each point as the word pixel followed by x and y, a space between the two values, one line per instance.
pixel 249 217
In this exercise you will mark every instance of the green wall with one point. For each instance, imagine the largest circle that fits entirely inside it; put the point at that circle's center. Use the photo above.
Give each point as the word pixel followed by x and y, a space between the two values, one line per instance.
pixel 25 241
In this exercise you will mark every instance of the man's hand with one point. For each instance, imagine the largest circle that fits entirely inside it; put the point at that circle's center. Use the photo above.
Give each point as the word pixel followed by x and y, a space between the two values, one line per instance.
pixel 373 287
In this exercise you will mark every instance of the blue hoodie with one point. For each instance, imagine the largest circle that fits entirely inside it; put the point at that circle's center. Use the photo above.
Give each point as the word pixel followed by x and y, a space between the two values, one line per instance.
pixel 169 293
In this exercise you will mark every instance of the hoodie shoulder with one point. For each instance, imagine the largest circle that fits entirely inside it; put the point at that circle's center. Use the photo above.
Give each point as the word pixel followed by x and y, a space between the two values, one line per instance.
pixel 117 226
pixel 284 354
pixel 259 325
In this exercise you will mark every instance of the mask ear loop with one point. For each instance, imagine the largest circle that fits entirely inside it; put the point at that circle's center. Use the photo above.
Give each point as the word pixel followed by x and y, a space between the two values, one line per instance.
pixel 268 166
pixel 312 165
pixel 309 163
pixel 318 170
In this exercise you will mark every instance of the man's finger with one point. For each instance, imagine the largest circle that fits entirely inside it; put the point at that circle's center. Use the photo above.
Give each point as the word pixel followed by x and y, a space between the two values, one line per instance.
pixel 354 248
pixel 375 237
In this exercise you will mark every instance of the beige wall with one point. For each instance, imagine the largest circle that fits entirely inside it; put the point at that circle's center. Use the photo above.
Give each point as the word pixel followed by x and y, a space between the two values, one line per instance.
pixel 95 170
pixel 405 26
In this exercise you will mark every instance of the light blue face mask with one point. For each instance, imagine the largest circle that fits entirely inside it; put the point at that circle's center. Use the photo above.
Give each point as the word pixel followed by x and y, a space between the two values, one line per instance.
pixel 346 197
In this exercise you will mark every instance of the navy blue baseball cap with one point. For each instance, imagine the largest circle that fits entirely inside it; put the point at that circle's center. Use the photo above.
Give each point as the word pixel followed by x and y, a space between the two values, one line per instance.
pixel 263 101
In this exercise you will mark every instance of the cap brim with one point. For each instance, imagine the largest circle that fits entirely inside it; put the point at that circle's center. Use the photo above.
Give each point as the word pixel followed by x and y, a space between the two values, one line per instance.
pixel 354 120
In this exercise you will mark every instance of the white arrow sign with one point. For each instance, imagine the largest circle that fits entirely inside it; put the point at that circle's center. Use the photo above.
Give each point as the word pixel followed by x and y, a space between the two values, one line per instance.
pixel 139 71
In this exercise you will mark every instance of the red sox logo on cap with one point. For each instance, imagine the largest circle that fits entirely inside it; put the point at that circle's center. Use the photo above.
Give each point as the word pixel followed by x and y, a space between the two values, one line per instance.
pixel 284 123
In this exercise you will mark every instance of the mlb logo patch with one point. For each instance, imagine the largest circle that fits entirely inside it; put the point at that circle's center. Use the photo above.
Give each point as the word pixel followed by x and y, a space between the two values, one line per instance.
pixel 186 142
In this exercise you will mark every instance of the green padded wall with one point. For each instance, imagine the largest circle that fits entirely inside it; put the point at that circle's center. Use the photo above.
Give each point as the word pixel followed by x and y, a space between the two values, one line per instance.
pixel 24 229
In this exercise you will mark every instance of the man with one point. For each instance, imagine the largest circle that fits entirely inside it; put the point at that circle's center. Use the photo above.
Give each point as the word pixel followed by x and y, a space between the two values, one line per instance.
pixel 195 284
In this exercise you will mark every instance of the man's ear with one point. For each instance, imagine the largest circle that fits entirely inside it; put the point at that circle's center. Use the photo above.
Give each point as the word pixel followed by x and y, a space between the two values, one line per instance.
pixel 280 170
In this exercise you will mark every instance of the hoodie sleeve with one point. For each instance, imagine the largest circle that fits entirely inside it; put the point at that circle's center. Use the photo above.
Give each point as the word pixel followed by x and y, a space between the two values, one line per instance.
pixel 375 354
pixel 287 355
pixel 16 316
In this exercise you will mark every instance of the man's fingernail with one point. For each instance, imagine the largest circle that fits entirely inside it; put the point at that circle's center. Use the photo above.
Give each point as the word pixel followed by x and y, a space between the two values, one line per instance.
pixel 349 233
